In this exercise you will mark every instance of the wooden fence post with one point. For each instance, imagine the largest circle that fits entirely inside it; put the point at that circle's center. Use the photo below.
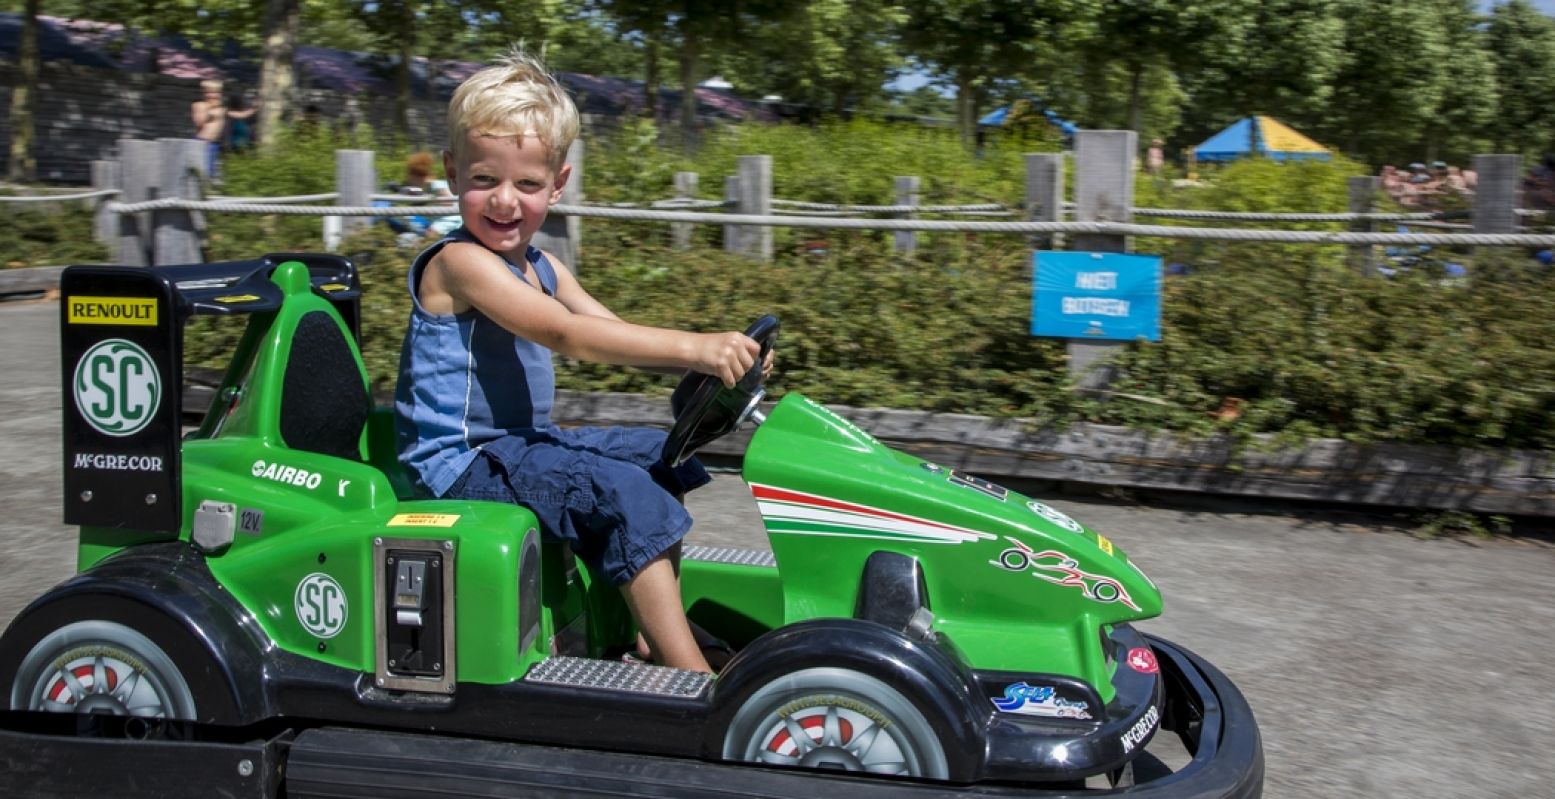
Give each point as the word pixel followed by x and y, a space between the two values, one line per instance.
pixel 562 236
pixel 685 189
pixel 142 165
pixel 1363 200
pixel 755 199
pixel 356 177
pixel 906 194
pixel 106 175
pixel 1044 195
pixel 732 233
pixel 1497 195
pixel 1104 191
pixel 177 232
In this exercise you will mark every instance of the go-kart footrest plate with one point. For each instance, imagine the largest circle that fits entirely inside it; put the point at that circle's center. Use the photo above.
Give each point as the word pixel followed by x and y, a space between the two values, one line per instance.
pixel 642 678
pixel 738 556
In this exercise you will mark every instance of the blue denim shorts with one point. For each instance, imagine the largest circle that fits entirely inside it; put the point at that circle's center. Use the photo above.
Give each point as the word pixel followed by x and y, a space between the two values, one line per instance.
pixel 600 489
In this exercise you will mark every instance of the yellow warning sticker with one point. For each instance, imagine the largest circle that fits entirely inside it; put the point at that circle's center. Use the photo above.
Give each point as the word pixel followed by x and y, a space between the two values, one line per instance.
pixel 232 298
pixel 424 520
pixel 137 311
pixel 334 287
pixel 1101 541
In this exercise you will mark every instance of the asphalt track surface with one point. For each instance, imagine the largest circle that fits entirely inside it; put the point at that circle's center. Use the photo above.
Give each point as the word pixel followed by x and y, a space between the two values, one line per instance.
pixel 1378 663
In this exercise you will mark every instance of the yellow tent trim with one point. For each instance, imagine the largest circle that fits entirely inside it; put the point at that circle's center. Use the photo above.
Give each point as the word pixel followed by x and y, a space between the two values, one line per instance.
pixel 1278 137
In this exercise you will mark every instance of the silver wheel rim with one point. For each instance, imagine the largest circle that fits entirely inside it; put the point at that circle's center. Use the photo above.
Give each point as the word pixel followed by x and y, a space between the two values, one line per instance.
pixel 101 667
pixel 831 718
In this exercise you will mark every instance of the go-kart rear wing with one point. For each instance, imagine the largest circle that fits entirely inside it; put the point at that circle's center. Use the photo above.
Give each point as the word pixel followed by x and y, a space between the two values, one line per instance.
pixel 121 363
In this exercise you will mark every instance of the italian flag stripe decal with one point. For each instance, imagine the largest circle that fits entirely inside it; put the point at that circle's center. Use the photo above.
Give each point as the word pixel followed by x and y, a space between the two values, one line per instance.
pixel 797 512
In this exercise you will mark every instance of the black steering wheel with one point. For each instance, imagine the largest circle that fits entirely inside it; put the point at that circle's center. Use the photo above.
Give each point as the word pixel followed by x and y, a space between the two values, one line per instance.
pixel 705 410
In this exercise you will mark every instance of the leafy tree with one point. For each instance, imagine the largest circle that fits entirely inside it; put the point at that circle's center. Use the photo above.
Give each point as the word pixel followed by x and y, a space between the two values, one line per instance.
pixel 1281 61
pixel 829 54
pixel 697 27
pixel 1459 128
pixel 971 43
pixel 1141 34
pixel 1393 80
pixel 1522 43
pixel 923 101
pixel 1092 90
pixel 582 39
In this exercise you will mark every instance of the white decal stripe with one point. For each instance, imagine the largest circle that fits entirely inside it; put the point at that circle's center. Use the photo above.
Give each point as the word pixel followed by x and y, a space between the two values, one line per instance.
pixel 830 503
pixel 782 510
pixel 858 534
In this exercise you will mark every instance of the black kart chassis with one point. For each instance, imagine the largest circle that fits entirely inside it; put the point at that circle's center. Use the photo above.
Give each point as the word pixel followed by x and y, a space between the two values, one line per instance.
pixel 342 762
pixel 166 591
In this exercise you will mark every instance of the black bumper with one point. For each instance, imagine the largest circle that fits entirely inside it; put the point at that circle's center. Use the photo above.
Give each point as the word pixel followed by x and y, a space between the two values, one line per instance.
pixel 1201 706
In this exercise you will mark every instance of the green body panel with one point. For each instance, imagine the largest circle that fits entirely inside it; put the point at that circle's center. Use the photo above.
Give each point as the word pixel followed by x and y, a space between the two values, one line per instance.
pixel 1001 569
pixel 740 601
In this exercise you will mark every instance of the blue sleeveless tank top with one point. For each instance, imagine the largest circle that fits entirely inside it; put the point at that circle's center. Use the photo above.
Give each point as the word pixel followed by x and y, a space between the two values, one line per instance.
pixel 464 380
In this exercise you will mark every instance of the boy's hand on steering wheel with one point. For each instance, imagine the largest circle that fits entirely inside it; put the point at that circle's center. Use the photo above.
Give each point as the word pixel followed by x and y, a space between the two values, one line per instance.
pixel 726 356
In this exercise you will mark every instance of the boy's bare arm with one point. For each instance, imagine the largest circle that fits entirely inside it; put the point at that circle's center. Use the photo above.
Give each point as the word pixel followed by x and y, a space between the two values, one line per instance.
pixel 572 294
pixel 471 276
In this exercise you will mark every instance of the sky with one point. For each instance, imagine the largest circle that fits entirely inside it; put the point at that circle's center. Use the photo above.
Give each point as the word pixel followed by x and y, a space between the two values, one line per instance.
pixel 1547 6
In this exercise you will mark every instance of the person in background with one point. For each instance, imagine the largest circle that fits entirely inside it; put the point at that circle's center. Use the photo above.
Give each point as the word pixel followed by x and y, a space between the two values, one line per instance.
pixel 1155 158
pixel 209 114
pixel 419 182
pixel 240 127
pixel 1456 182
pixel 418 176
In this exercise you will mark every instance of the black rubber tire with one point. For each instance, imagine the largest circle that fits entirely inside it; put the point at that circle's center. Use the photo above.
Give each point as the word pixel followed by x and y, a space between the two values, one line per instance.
pixel 835 718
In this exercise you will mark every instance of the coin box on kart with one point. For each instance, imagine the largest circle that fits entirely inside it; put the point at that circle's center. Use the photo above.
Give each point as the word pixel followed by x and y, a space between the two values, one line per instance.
pixel 268 579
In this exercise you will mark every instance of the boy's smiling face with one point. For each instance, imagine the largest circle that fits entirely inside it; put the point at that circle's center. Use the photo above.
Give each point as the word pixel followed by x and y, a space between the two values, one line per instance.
pixel 505 186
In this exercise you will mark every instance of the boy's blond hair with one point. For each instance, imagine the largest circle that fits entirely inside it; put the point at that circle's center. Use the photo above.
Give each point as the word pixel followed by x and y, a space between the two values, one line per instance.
pixel 514 97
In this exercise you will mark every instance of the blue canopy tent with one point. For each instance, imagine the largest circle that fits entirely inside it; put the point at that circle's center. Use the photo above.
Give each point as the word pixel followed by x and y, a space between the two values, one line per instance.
pixel 997 117
pixel 1259 135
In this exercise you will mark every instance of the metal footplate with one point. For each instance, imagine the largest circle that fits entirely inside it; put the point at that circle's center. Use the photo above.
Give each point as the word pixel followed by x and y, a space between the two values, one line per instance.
pixel 642 678
pixel 736 555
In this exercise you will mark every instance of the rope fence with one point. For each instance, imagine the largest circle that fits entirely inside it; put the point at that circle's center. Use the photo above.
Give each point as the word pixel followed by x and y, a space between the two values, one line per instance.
pixel 150 206
pixel 843 223
pixel 253 204
pixel 58 198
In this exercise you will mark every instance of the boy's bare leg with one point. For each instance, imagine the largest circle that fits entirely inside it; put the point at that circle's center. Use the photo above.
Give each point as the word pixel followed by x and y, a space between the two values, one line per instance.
pixel 673 556
pixel 653 597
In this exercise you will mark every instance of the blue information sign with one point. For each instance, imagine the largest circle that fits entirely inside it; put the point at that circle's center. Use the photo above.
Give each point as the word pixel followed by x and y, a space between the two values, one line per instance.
pixel 1099 295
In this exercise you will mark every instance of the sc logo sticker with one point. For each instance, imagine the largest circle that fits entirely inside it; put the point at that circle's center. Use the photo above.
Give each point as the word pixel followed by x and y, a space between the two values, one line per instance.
pixel 117 387
pixel 321 605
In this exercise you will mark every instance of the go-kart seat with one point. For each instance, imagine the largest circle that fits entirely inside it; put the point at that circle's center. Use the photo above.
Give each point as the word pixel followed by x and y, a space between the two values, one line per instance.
pixel 324 402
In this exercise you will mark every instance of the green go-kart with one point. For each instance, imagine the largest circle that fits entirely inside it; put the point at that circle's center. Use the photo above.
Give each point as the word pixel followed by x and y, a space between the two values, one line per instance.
pixel 262 608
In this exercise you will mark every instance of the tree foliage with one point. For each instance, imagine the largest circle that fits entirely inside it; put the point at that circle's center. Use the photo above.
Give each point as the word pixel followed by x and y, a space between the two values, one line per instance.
pixel 970 44
pixel 1385 81
pixel 1523 43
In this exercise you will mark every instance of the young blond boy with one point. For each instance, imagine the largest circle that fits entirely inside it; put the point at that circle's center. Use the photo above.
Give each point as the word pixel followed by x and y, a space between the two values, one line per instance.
pixel 476 380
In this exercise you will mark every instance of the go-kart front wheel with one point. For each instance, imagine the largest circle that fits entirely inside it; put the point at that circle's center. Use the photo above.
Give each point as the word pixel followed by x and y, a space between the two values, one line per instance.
pixel 834 718
pixel 101 667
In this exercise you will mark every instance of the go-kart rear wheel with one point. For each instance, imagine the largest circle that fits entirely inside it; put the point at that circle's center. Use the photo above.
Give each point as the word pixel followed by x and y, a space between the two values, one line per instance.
pixel 101 667
pixel 834 718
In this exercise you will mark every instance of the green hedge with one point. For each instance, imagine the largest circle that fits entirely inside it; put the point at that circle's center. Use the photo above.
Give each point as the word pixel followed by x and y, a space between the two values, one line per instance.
pixel 1258 338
